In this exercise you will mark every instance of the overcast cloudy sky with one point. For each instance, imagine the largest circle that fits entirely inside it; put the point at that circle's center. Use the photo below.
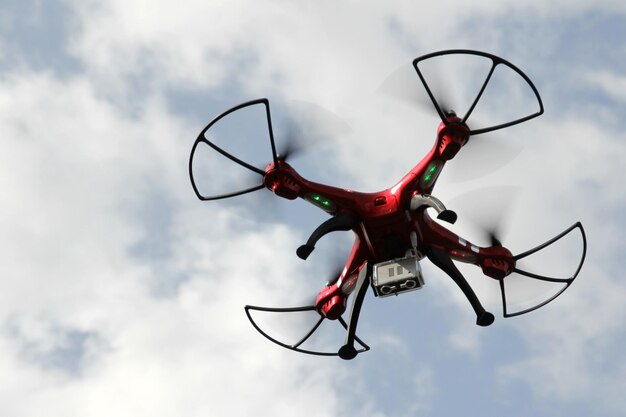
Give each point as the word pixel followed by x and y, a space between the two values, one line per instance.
pixel 121 294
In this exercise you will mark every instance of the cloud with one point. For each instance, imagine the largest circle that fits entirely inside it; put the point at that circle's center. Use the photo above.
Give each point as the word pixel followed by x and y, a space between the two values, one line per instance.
pixel 83 328
pixel 611 84
pixel 572 356
pixel 571 341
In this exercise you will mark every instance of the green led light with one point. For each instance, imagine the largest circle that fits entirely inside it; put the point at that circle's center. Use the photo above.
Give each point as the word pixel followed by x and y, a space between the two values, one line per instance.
pixel 321 202
pixel 430 174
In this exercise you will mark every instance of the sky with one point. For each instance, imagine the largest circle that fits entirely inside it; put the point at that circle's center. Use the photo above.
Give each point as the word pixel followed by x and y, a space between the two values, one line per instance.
pixel 122 294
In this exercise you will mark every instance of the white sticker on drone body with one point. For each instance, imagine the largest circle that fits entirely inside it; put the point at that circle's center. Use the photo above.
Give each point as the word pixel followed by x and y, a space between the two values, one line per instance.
pixel 474 248
pixel 462 241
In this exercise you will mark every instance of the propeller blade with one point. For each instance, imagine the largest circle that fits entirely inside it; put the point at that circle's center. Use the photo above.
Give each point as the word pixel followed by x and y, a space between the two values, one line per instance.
pixel 294 143
pixel 443 94
pixel 481 156
pixel 403 84
pixel 494 239
pixel 487 209
pixel 333 277
pixel 335 274
pixel 305 126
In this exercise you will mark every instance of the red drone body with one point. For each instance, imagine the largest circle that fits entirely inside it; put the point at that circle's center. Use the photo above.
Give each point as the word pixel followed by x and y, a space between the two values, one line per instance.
pixel 393 228
pixel 387 225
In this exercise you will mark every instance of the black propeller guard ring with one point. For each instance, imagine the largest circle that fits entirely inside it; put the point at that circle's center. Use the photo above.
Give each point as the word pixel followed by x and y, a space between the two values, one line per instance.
pixel 566 281
pixel 202 139
pixel 295 347
pixel 496 60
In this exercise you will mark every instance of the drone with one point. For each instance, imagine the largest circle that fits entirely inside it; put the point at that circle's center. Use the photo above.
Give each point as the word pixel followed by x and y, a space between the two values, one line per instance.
pixel 393 229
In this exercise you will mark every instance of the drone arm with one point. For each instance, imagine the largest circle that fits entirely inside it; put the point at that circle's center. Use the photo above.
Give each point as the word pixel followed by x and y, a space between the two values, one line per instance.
pixel 284 181
pixel 422 178
pixel 495 261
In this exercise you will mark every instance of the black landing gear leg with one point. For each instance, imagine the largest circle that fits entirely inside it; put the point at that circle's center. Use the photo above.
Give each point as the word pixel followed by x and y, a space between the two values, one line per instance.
pixel 348 351
pixel 444 262
pixel 340 222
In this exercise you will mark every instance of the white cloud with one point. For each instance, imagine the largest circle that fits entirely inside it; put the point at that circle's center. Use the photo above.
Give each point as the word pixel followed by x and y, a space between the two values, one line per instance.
pixel 572 356
pixel 611 84
pixel 82 330
pixel 327 51
pixel 571 341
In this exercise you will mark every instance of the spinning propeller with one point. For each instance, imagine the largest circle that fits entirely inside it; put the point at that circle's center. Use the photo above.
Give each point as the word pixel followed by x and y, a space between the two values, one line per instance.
pixel 489 210
pixel 455 82
pixel 442 104
pixel 240 140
